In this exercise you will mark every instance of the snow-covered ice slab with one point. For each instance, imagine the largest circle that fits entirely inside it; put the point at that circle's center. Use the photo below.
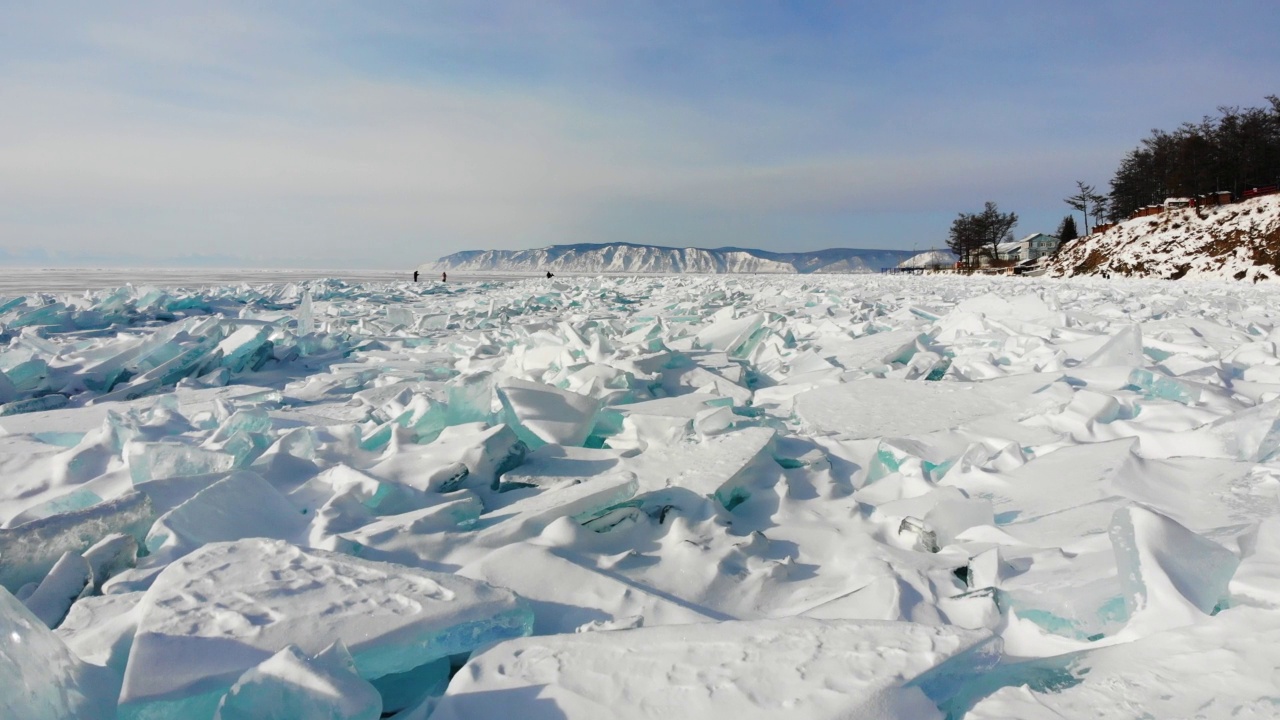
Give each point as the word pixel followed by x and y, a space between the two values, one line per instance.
pixel 291 685
pixel 547 414
pixel 1056 498
pixel 890 407
pixel 242 505
pixel 192 401
pixel 1221 669
pixel 724 467
pixel 223 609
pixel 470 455
pixel 581 502
pixel 69 579
pixel 761 669
pixel 567 595
pixel 1170 576
pixel 100 628
pixel 873 351
pixel 552 465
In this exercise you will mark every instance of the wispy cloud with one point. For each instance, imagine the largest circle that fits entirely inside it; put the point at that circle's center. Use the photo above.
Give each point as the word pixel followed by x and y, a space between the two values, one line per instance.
pixel 322 134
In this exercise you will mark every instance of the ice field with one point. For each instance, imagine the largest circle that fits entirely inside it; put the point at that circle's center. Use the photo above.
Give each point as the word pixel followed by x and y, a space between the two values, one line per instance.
pixel 660 497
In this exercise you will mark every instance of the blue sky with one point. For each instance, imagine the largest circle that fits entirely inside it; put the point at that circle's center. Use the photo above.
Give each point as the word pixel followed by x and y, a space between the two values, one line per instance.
pixel 327 134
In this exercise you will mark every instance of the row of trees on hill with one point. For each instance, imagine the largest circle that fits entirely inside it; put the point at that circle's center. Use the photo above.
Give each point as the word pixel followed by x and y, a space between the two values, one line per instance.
pixel 1238 150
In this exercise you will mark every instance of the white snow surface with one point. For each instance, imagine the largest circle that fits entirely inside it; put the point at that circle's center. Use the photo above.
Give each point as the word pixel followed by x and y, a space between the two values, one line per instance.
pixel 642 497
pixel 1240 241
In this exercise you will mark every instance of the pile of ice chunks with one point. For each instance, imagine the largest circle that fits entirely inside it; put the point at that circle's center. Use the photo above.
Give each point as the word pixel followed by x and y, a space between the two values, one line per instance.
pixel 1008 479
pixel 132 342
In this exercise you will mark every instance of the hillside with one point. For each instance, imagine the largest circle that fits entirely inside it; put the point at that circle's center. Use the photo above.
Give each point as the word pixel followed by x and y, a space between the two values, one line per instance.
pixel 930 258
pixel 1240 241
pixel 629 258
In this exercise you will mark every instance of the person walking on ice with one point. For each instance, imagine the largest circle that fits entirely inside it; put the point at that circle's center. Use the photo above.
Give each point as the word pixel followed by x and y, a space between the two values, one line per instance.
pixel 444 277
pixel 415 276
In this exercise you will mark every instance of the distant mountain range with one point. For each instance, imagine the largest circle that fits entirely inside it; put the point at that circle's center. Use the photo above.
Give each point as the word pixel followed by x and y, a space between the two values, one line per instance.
pixel 629 258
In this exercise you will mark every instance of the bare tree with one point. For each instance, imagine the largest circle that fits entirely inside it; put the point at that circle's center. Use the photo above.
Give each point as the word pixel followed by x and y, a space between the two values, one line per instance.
pixel 1087 201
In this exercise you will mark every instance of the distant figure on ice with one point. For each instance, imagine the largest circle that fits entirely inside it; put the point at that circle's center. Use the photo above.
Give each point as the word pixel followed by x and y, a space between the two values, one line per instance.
pixel 415 276
pixel 444 277
pixel 549 275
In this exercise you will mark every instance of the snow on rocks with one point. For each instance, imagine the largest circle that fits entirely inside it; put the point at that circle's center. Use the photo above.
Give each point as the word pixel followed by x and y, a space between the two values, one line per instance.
pixel 258 499
pixel 1237 241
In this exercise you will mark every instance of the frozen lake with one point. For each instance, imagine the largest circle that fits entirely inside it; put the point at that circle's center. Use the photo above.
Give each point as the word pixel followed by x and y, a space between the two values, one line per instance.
pixel 19 280
pixel 642 497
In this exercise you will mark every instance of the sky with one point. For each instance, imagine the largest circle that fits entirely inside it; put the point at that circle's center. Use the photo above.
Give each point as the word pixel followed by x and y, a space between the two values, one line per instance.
pixel 387 134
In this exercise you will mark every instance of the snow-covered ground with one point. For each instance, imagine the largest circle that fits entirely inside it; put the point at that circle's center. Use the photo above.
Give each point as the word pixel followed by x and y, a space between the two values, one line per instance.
pixel 660 497
pixel 1239 241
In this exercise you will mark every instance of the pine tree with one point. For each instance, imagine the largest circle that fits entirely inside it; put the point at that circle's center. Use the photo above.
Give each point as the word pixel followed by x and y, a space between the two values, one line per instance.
pixel 1235 151
pixel 1067 230
pixel 964 238
pixel 997 227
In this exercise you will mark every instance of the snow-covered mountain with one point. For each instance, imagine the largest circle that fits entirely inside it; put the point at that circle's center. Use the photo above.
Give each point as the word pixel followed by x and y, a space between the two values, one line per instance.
pixel 1240 241
pixel 629 258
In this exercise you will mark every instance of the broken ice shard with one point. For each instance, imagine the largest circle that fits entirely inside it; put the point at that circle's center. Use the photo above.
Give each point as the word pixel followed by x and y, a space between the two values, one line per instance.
pixel 546 414
pixel 239 347
pixel 155 461
pixel 291 685
pixel 1170 575
pixel 30 550
pixel 306 316
pixel 259 596
pixel 64 584
pixel 40 679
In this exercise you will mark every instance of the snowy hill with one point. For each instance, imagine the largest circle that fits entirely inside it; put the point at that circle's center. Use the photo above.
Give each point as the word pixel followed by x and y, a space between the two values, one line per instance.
pixel 629 258
pixel 930 258
pixel 1240 241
